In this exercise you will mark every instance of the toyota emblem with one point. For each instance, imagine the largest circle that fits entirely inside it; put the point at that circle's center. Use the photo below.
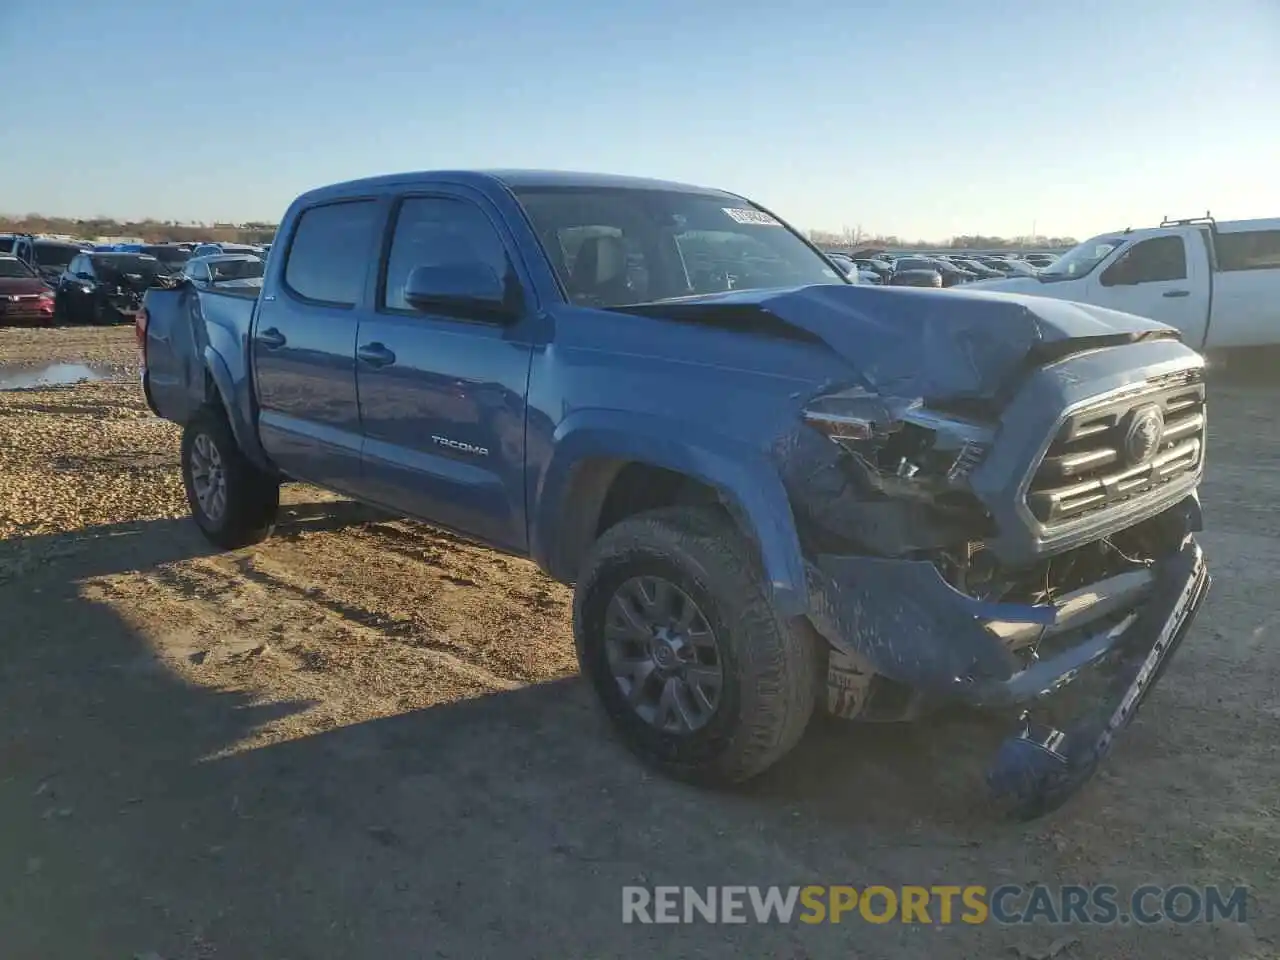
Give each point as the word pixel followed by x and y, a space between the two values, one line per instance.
pixel 1144 435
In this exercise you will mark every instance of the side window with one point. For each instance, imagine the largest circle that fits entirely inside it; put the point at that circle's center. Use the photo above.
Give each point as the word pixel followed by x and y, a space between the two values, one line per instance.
pixel 1255 250
pixel 330 250
pixel 431 231
pixel 1149 261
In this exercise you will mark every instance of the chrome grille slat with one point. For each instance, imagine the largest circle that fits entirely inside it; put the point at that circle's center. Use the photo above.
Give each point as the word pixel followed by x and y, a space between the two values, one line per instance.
pixel 1087 469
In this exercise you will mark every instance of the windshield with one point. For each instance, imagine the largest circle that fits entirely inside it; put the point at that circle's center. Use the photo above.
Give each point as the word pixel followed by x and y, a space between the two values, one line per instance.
pixel 236 270
pixel 169 256
pixel 55 254
pixel 126 263
pixel 611 247
pixel 11 269
pixel 1080 259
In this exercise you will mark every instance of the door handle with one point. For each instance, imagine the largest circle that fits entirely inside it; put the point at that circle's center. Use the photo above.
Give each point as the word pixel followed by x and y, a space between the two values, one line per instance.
pixel 271 338
pixel 376 355
pixel 1177 293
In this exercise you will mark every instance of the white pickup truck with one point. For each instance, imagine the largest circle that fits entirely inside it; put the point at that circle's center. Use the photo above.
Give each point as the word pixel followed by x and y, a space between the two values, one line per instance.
pixel 1219 283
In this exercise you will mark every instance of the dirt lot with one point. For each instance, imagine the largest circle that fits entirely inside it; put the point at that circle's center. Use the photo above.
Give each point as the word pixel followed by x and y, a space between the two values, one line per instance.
pixel 365 739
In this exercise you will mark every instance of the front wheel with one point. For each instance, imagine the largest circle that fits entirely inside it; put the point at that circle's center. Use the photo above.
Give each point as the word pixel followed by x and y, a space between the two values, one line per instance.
pixel 232 501
pixel 675 631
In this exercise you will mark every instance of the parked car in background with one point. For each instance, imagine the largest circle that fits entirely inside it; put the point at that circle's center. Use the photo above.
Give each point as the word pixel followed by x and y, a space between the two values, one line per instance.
pixel 1008 266
pixel 1218 283
pixel 213 249
pixel 846 265
pixel 980 271
pixel 48 258
pixel 105 287
pixel 953 272
pixel 881 268
pixel 915 272
pixel 949 275
pixel 225 271
pixel 1039 260
pixel 25 299
pixel 170 255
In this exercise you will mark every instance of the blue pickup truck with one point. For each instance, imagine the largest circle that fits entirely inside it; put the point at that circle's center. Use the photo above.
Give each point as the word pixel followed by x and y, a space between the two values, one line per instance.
pixel 774 492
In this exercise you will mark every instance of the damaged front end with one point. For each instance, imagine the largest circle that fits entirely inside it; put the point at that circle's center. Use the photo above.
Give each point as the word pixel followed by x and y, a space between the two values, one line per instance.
pixel 1016 555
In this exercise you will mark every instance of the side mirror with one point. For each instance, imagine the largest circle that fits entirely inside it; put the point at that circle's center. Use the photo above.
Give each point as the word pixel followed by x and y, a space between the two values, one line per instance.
pixel 459 288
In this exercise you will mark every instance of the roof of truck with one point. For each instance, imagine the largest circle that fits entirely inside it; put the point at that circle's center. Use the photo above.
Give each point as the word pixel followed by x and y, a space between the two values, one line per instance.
pixel 513 179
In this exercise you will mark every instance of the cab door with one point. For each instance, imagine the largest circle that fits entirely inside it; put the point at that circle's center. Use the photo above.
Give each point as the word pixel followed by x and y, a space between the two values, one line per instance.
pixel 303 344
pixel 442 395
pixel 1163 276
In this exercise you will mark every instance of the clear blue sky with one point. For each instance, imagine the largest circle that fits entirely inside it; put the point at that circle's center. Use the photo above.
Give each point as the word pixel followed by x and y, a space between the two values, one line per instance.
pixel 923 118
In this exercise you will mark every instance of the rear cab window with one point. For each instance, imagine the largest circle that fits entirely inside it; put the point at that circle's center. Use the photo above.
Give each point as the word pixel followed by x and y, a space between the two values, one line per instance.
pixel 1248 250
pixel 329 254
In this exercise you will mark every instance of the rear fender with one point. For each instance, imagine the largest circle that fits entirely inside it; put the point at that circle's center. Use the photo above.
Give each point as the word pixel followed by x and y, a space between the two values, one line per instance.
pixel 236 399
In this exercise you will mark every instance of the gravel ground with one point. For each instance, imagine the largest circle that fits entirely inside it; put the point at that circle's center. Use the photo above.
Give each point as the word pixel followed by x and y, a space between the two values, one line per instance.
pixel 365 738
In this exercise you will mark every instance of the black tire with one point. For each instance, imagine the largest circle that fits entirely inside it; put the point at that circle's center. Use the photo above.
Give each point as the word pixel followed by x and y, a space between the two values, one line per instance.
pixel 769 669
pixel 251 498
pixel 59 309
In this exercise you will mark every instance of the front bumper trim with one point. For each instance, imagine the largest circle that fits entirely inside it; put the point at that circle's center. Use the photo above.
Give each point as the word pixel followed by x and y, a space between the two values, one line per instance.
pixel 1040 767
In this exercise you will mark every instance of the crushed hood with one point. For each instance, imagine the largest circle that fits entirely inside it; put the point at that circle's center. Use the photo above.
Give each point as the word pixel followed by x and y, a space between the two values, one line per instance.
pixel 941 345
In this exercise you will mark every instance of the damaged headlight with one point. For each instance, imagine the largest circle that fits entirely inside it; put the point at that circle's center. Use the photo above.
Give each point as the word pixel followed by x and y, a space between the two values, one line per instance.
pixel 903 448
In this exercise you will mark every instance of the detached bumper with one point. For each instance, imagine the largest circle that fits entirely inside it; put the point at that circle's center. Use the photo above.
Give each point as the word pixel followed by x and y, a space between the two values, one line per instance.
pixel 907 624
pixel 1039 767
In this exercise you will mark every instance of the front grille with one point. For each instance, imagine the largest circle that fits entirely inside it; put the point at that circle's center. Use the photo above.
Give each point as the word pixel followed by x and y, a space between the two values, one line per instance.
pixel 1112 452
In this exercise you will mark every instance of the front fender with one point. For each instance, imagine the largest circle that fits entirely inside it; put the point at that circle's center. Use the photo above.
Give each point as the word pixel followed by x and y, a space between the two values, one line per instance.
pixel 746 480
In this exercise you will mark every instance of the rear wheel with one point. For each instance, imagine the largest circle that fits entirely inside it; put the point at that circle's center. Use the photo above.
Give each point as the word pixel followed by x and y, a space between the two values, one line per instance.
pixel 675 631
pixel 232 501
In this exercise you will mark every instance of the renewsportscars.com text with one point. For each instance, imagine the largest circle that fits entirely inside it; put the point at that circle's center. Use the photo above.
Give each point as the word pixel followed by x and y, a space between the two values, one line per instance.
pixel 938 904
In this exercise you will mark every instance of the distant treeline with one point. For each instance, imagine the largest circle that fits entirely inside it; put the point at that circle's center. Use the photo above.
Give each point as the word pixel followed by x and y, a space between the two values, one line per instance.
pixel 158 231
pixel 153 231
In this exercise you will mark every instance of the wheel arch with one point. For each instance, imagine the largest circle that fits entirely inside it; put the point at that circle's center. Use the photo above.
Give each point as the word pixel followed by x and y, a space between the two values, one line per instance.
pixel 608 468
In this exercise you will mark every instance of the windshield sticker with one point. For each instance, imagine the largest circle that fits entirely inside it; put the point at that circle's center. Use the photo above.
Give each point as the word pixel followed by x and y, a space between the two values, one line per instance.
pixel 755 217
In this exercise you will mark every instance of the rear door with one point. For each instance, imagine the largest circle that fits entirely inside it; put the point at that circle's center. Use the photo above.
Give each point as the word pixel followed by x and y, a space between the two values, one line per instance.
pixel 1246 291
pixel 1163 276
pixel 303 347
pixel 442 398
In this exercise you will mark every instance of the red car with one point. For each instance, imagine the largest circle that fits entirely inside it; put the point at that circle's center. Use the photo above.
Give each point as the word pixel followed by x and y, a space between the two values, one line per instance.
pixel 24 298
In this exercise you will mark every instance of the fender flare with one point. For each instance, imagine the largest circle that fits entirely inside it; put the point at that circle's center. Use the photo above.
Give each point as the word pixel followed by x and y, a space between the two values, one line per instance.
pixel 236 403
pixel 744 477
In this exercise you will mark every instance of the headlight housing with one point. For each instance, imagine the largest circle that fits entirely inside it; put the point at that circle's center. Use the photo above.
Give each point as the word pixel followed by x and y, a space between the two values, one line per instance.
pixel 902 447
